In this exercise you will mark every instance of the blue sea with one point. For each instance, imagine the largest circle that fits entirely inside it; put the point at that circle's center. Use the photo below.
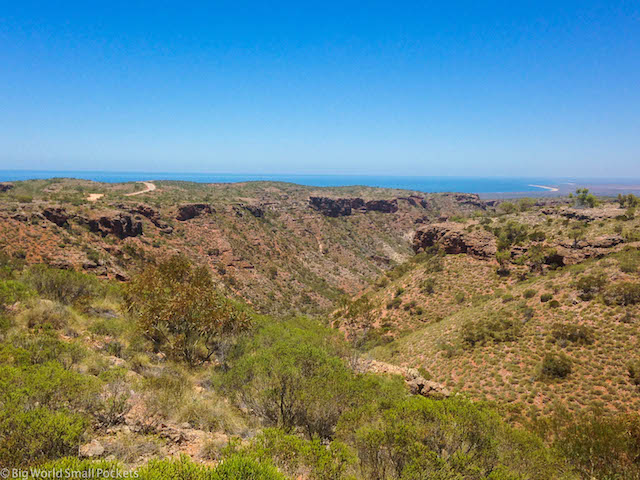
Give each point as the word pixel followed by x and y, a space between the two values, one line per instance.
pixel 418 183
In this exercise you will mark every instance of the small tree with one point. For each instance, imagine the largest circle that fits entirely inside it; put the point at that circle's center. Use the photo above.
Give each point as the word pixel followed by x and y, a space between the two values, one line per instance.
pixel 577 233
pixel 585 199
pixel 178 308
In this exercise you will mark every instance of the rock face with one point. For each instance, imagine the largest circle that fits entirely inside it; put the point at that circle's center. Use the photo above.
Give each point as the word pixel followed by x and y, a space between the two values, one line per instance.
pixel 415 201
pixel 187 212
pixel 120 225
pixel 454 239
pixel 56 215
pixel 570 253
pixel 587 214
pixel 470 199
pixel 5 187
pixel 341 207
pixel 254 210
pixel 335 207
pixel 384 206
pixel 153 216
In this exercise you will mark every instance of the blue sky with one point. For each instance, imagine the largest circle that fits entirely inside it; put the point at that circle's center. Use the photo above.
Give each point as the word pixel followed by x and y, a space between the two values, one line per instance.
pixel 408 88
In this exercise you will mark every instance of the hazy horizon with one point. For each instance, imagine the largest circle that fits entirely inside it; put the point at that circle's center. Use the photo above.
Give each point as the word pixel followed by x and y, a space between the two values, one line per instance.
pixel 432 90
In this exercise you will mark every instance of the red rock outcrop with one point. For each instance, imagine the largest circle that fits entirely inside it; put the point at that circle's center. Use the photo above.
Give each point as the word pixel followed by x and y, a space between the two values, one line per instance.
pixel 454 239
pixel 187 212
pixel 153 216
pixel 341 207
pixel 57 215
pixel 120 225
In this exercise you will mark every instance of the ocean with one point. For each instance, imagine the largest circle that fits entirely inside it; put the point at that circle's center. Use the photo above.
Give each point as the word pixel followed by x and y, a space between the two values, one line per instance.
pixel 481 185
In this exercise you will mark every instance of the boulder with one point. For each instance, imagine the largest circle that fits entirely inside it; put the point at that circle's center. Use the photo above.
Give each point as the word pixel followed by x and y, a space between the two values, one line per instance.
pixel 5 187
pixel 91 449
pixel 192 210
pixel 454 239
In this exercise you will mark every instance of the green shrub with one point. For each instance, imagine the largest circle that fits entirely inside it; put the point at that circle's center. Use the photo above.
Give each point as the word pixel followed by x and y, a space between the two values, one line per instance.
pixel 29 436
pixel 64 286
pixel 622 293
pixel 291 375
pixel 545 297
pixel 428 285
pixel 236 467
pixel 590 285
pixel 421 438
pixel 47 313
pixel 497 327
pixel 595 445
pixel 584 199
pixel 634 371
pixel 43 410
pixel 298 457
pixel 580 334
pixel 44 346
pixel 178 308
pixel 394 303
pixel 555 365
pixel 12 291
pixel 629 261
pixel 529 293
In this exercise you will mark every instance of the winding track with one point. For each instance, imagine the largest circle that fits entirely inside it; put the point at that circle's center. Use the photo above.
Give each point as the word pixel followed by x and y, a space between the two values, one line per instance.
pixel 149 187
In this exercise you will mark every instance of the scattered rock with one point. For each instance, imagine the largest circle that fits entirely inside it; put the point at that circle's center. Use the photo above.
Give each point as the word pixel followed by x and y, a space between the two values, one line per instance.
pixel 187 212
pixel 418 385
pixel 454 239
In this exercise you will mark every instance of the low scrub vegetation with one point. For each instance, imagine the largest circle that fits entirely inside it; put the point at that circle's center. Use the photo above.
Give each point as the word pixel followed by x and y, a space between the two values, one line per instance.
pixel 498 327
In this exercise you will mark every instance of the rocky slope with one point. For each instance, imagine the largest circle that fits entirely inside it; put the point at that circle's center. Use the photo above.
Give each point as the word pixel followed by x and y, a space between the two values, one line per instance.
pixel 567 283
pixel 281 247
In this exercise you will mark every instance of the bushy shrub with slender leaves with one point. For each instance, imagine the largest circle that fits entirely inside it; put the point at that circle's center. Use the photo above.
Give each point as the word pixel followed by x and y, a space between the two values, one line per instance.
pixel 64 286
pixel 177 307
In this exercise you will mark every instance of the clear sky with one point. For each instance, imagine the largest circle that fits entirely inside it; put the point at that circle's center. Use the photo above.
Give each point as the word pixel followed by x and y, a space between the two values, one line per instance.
pixel 427 88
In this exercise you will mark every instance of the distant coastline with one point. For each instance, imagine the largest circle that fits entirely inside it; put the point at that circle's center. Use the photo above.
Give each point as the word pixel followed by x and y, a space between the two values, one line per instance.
pixel 545 187
pixel 486 187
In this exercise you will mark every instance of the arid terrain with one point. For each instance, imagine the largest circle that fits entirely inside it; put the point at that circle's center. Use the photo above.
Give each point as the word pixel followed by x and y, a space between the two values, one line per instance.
pixel 528 307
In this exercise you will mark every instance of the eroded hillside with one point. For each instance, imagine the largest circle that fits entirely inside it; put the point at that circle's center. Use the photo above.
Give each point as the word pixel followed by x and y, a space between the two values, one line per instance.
pixel 280 247
pixel 532 308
